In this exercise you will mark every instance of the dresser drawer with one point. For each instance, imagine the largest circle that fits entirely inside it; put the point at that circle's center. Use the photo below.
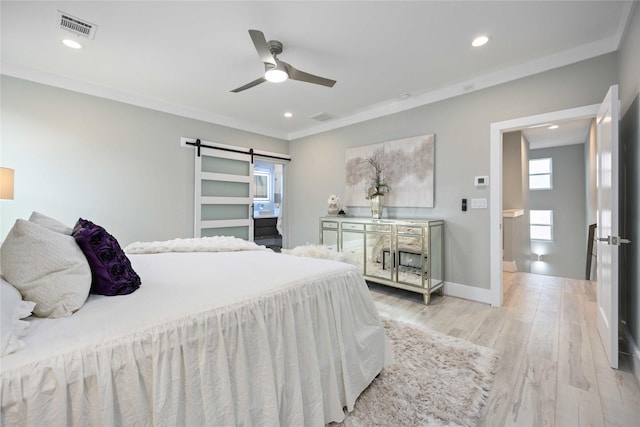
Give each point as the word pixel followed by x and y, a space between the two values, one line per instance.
pixel 379 228
pixel 350 226
pixel 410 230
pixel 330 224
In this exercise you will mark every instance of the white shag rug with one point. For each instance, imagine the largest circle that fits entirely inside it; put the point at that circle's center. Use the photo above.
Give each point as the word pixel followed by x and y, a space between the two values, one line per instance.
pixel 317 251
pixel 195 244
pixel 436 380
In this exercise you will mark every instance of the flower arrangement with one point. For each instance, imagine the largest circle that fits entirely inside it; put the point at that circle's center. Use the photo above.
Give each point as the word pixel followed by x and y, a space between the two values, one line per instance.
pixel 379 187
pixel 334 205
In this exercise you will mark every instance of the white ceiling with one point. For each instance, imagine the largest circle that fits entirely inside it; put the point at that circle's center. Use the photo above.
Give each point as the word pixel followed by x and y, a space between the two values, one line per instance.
pixel 567 133
pixel 185 57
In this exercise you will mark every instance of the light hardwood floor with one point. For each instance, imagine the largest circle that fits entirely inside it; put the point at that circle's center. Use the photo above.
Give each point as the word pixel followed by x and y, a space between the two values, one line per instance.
pixel 553 369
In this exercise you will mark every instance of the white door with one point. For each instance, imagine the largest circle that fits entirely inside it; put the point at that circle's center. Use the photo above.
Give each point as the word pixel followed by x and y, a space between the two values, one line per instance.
pixel 223 193
pixel 224 188
pixel 607 220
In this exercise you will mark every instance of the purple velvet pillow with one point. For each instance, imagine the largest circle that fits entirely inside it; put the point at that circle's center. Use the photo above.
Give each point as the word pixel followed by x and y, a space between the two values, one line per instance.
pixel 111 271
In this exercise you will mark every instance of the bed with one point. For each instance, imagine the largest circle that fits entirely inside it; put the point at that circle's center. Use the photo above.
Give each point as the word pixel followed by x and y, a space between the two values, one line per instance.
pixel 240 337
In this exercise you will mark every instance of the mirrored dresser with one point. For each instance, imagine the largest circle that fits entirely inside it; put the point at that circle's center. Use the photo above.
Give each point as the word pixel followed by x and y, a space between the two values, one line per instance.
pixel 406 254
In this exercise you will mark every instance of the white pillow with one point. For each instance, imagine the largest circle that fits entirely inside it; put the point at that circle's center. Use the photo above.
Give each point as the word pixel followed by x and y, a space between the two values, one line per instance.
pixel 13 309
pixel 50 223
pixel 47 268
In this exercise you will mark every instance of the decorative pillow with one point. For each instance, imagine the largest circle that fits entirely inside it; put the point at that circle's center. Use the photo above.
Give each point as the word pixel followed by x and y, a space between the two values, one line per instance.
pixel 47 268
pixel 13 310
pixel 50 223
pixel 111 271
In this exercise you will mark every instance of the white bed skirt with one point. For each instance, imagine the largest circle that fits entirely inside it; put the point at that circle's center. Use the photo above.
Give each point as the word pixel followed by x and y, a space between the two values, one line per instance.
pixel 293 357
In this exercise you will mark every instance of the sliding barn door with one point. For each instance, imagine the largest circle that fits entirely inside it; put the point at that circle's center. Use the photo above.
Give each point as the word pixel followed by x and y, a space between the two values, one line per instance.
pixel 223 194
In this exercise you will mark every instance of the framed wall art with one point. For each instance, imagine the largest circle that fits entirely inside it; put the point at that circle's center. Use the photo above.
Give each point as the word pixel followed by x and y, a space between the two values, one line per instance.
pixel 406 166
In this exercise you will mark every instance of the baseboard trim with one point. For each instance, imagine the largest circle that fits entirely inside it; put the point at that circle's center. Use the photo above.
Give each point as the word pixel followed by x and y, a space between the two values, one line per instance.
pixel 509 266
pixel 635 355
pixel 468 292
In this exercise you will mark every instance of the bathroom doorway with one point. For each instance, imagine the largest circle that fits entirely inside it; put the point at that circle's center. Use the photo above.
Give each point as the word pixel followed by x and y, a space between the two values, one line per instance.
pixel 268 203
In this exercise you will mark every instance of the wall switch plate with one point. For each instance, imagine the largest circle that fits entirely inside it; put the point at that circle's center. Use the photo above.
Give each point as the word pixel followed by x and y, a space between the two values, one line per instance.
pixel 478 203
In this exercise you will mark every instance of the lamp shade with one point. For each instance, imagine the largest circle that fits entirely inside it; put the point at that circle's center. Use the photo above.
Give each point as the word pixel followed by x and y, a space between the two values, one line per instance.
pixel 6 183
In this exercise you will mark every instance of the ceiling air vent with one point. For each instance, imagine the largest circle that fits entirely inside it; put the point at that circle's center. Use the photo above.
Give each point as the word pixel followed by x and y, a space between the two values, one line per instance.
pixel 322 117
pixel 76 26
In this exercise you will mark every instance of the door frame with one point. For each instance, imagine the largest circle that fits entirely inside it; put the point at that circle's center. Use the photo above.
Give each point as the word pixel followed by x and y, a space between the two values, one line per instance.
pixel 497 129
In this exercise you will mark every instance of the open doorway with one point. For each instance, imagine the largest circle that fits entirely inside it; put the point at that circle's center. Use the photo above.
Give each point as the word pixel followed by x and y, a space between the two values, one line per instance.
pixel 546 198
pixel 498 130
pixel 268 203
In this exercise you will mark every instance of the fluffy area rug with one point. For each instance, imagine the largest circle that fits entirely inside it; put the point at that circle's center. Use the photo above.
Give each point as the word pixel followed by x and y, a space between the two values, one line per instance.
pixel 195 244
pixel 317 251
pixel 436 380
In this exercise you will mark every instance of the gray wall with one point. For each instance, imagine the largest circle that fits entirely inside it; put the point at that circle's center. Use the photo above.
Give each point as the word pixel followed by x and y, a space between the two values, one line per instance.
pixel 515 195
pixel 118 165
pixel 461 127
pixel 512 171
pixel 565 256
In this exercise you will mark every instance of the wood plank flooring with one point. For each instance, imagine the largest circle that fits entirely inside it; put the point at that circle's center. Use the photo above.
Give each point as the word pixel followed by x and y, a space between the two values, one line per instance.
pixel 553 369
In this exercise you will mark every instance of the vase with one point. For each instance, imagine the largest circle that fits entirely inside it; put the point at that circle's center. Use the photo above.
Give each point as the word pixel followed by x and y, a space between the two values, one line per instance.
pixel 377 206
pixel 333 210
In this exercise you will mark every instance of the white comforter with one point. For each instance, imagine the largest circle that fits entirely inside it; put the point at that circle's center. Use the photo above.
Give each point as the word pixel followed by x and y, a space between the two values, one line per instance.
pixel 242 338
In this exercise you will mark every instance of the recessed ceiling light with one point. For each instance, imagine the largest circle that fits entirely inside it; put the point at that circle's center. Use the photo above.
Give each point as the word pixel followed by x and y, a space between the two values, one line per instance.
pixel 479 41
pixel 288 114
pixel 72 44
pixel 405 95
pixel 553 127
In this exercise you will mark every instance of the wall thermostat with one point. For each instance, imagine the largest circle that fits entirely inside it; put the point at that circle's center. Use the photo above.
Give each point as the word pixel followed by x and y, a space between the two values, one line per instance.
pixel 481 181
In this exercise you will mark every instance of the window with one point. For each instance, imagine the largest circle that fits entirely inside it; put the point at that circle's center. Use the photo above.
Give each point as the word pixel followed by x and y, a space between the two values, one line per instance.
pixel 541 224
pixel 540 174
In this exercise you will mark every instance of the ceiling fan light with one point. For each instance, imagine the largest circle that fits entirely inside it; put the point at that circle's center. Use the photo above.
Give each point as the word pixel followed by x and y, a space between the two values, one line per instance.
pixel 275 75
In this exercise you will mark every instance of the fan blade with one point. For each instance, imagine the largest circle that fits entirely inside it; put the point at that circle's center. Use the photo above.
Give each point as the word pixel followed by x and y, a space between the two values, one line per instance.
pixel 306 77
pixel 260 42
pixel 256 82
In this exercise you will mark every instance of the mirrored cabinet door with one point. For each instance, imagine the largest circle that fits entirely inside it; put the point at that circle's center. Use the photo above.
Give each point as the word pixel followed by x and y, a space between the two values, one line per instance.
pixel 378 241
pixel 353 243
pixel 329 234
pixel 411 255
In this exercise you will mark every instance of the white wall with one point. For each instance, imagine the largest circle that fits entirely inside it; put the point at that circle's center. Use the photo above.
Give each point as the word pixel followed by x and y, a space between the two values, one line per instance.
pixel 118 165
pixel 461 126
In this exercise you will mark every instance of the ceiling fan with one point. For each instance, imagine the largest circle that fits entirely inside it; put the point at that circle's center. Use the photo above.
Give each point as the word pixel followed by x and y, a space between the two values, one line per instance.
pixel 275 69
